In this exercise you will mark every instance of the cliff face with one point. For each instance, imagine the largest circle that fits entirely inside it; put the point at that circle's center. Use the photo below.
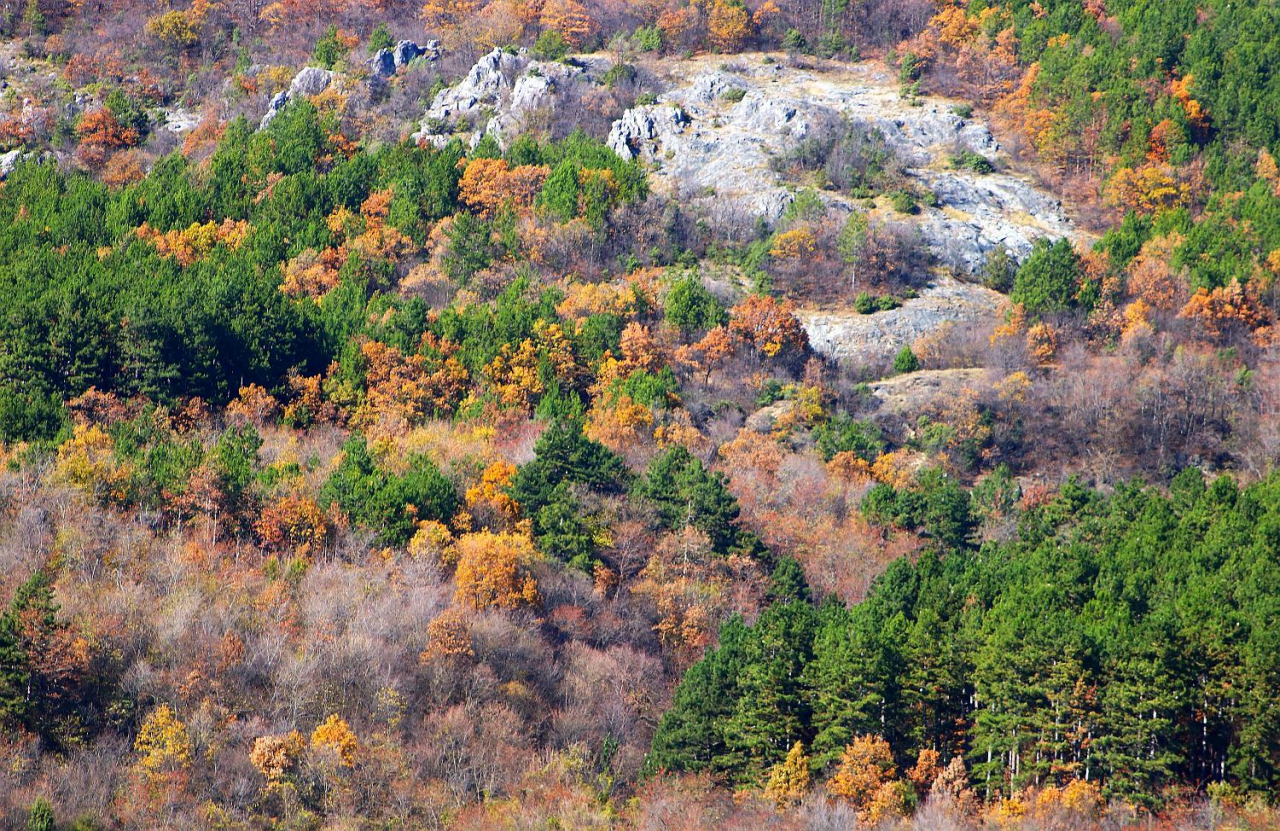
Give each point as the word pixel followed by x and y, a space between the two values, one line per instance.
pixel 711 138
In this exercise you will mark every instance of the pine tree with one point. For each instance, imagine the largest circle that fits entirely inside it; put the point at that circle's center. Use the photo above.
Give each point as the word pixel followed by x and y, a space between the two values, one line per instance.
pixel 687 494
pixel 772 711
pixel 559 196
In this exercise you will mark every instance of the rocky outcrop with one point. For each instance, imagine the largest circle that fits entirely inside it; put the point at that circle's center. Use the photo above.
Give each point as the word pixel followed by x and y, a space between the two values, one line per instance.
pixel 502 92
pixel 474 98
pixel 386 62
pixel 309 82
pixel 855 339
pixel 179 120
pixel 382 64
pixel 710 139
pixel 907 396
pixel 8 161
pixel 981 213
pixel 406 51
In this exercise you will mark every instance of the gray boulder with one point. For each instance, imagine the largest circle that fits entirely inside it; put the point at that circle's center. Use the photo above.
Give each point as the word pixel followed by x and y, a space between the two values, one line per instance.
pixel 641 129
pixel 8 161
pixel 382 64
pixel 405 51
pixel 274 106
pixel 310 81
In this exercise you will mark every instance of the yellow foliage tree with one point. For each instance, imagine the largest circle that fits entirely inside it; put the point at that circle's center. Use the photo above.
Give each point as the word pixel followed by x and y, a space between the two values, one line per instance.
pixel 448 13
pixel 1148 188
pixel 491 490
pixel 794 244
pixel 728 26
pixel 88 462
pixel 493 570
pixel 175 29
pixel 163 743
pixel 789 779
pixel 335 736
pixel 865 767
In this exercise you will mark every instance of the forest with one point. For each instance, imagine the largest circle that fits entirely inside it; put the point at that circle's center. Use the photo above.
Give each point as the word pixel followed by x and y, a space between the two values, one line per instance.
pixel 361 469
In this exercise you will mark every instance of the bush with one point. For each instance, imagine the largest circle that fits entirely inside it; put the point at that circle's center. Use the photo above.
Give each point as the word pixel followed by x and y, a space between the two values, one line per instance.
pixel 794 41
pixel 647 39
pixel 734 94
pixel 903 202
pixel 969 160
pixel 998 270
pixel 40 817
pixel 623 73
pixel 845 434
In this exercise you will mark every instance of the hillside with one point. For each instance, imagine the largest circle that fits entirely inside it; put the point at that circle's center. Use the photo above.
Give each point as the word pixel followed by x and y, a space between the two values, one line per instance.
pixel 639 415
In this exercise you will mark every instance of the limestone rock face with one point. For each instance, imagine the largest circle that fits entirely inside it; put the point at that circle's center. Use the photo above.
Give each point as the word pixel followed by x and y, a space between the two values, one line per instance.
pixel 710 140
pixel 407 51
pixel 382 64
pixel 8 161
pixel 311 80
pixel 855 339
pixel 502 93
pixel 482 91
pixel 179 120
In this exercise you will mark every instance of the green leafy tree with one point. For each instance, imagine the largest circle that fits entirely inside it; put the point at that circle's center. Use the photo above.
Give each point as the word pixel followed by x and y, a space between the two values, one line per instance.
pixel 380 38
pixel 389 504
pixel 559 195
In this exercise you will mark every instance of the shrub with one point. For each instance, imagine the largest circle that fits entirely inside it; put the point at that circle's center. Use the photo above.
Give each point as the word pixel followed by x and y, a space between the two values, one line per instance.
pixel 969 160
pixel 647 39
pixel 903 202
pixel 794 41
pixel 40 817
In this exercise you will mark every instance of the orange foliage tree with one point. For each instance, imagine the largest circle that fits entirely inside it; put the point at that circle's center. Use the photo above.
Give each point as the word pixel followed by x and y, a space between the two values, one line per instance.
pixel 1217 310
pixel 570 18
pixel 769 324
pixel 488 185
pixel 406 389
pixel 728 26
